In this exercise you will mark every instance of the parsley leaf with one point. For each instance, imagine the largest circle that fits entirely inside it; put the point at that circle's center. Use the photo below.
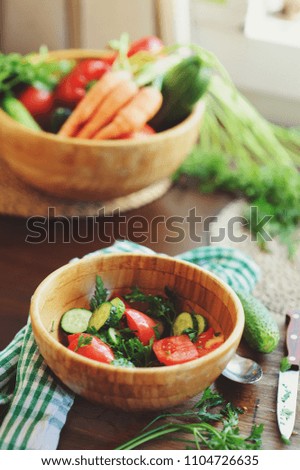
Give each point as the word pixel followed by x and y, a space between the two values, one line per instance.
pixel 83 340
pixel 100 294
pixel 201 433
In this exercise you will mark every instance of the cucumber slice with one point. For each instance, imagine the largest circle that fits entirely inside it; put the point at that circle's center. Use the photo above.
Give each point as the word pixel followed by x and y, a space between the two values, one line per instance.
pixel 120 307
pixel 201 323
pixel 114 336
pixel 182 322
pixel 100 316
pixel 75 320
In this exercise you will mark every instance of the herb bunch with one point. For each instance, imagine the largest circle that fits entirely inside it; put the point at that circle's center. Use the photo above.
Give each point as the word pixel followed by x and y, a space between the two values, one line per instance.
pixel 242 153
pixel 30 69
pixel 214 426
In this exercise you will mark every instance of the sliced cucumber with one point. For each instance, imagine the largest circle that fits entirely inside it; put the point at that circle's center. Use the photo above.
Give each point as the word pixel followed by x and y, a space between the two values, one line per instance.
pixel 75 320
pixel 182 322
pixel 114 336
pixel 100 316
pixel 120 307
pixel 201 323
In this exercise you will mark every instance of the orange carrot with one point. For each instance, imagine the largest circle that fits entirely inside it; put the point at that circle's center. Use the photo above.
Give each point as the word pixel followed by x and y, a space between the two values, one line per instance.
pixel 115 100
pixel 133 116
pixel 90 102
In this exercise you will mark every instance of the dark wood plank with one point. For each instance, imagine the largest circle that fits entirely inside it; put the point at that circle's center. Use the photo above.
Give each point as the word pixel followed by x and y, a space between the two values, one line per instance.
pixel 23 265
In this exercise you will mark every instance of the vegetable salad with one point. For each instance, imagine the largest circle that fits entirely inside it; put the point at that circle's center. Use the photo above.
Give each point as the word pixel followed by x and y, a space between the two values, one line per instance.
pixel 137 330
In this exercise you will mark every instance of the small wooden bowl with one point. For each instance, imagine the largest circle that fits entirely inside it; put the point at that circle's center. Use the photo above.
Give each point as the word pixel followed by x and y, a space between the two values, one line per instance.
pixel 87 170
pixel 140 388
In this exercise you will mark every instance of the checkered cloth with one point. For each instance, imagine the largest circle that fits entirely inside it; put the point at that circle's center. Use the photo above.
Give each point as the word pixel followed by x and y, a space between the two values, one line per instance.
pixel 37 402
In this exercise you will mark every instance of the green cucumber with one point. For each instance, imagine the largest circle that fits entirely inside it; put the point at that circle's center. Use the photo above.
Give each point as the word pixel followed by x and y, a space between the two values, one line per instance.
pixel 17 111
pixel 100 316
pixel 183 85
pixel 185 321
pixel 58 118
pixel 120 307
pixel 75 320
pixel 261 331
pixel 201 323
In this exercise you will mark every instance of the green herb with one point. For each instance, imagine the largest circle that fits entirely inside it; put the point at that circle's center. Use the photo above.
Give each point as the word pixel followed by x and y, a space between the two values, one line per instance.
pixel 242 153
pixel 192 333
pixel 159 307
pixel 286 395
pixel 201 433
pixel 31 69
pixel 100 294
pixel 83 340
pixel 285 364
pixel 134 351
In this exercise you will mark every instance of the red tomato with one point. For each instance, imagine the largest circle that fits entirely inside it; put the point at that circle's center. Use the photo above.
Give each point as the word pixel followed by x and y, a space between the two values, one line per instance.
pixel 72 87
pixel 91 69
pixel 148 43
pixel 141 324
pixel 144 132
pixel 38 101
pixel 70 91
pixel 175 350
pixel 204 337
pixel 96 350
pixel 207 342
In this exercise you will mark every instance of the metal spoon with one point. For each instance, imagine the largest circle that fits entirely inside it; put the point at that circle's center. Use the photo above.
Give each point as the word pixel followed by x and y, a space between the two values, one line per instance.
pixel 243 370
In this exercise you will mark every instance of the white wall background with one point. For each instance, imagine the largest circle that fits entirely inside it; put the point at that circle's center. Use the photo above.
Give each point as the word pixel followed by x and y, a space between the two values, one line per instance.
pixel 268 74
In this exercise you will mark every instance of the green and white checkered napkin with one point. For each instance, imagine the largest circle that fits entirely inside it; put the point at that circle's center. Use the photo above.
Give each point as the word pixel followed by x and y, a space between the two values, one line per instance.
pixel 37 402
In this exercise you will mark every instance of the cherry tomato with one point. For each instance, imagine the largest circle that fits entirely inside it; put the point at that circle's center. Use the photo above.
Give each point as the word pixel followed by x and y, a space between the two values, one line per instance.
pixel 96 350
pixel 70 90
pixel 175 350
pixel 38 101
pixel 91 69
pixel 72 87
pixel 141 324
pixel 148 43
pixel 144 132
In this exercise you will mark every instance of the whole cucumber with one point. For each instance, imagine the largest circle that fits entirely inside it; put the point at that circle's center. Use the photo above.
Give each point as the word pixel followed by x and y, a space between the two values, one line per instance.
pixel 17 111
pixel 261 330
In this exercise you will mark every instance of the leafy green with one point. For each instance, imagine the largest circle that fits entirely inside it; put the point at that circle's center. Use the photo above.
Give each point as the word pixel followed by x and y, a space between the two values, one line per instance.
pixel 83 340
pixel 158 307
pixel 240 152
pixel 100 294
pixel 31 69
pixel 201 433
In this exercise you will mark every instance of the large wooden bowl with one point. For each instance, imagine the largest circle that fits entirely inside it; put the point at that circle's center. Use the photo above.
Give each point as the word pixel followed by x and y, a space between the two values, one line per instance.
pixel 87 170
pixel 139 388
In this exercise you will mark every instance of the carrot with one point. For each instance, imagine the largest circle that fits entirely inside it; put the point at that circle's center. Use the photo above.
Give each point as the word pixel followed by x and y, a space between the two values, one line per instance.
pixel 133 116
pixel 90 102
pixel 112 103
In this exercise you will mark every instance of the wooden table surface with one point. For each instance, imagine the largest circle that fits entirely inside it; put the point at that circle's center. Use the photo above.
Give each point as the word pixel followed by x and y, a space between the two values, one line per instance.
pixel 23 265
